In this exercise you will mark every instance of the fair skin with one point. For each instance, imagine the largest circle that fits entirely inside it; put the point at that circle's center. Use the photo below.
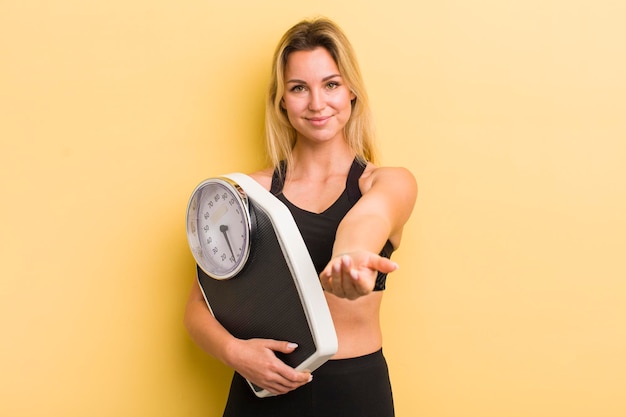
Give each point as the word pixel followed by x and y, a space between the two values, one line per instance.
pixel 317 102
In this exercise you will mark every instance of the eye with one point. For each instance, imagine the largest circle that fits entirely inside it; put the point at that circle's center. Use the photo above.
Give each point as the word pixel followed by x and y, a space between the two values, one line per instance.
pixel 297 88
pixel 332 85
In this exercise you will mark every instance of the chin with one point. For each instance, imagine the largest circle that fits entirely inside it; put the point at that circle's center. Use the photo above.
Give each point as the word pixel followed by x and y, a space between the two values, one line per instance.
pixel 321 136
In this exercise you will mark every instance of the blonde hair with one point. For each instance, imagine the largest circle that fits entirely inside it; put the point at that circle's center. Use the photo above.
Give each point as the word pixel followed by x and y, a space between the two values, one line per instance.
pixel 305 36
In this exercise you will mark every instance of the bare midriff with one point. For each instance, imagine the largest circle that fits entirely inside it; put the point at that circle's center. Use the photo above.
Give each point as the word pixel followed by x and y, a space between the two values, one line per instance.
pixel 357 324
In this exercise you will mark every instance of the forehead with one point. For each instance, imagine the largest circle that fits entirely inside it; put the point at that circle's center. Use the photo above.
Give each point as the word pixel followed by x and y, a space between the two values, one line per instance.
pixel 312 63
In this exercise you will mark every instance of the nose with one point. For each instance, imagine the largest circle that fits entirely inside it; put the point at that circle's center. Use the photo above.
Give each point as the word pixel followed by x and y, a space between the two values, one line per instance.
pixel 316 100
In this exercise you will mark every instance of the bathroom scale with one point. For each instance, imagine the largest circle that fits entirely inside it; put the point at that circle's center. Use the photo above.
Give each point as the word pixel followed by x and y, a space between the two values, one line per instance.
pixel 255 271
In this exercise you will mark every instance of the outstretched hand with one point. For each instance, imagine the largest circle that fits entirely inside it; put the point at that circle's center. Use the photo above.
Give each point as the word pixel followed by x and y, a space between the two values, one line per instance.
pixel 256 361
pixel 353 274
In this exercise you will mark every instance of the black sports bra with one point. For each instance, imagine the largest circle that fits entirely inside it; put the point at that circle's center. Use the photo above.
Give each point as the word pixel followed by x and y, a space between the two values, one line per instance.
pixel 318 230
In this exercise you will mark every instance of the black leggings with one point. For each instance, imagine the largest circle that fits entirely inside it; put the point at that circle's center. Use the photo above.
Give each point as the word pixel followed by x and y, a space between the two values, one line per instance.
pixel 356 387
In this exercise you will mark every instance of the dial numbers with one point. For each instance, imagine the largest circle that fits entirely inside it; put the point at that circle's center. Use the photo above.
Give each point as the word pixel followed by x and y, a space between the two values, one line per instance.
pixel 219 226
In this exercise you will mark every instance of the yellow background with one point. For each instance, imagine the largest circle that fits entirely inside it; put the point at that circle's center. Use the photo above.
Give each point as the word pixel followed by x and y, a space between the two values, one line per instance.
pixel 510 300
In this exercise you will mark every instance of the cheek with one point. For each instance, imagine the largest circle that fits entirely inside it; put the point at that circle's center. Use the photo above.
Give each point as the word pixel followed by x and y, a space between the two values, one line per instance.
pixel 343 103
pixel 288 104
pixel 293 107
pixel 290 110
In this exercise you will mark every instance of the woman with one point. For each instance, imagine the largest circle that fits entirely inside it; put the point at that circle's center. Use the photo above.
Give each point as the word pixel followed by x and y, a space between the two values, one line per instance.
pixel 351 214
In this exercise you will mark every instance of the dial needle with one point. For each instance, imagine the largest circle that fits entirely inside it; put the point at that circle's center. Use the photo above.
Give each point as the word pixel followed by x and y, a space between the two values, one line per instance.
pixel 224 229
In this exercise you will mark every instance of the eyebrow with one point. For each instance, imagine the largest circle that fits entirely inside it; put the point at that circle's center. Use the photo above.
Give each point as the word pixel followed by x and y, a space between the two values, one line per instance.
pixel 328 77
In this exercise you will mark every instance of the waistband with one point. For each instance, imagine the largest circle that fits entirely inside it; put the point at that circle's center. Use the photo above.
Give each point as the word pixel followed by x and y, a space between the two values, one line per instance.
pixel 335 366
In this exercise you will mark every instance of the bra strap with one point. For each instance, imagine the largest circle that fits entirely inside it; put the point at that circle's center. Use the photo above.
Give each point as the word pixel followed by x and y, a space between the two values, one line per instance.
pixel 352 182
pixel 278 178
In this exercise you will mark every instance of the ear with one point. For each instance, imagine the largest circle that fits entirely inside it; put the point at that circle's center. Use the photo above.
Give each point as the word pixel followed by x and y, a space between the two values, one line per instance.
pixel 352 95
pixel 282 103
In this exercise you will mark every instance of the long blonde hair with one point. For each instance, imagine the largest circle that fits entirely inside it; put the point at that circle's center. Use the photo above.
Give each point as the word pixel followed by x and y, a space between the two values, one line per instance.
pixel 305 36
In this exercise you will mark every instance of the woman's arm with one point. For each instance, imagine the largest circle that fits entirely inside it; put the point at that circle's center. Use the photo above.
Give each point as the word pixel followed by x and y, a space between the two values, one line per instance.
pixel 254 359
pixel 380 214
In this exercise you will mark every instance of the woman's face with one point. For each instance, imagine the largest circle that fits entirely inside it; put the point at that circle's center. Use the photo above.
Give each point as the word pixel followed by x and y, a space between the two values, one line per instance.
pixel 316 98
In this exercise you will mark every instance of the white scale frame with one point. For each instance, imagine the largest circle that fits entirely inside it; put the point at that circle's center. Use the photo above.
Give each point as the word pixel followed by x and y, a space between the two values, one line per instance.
pixel 303 280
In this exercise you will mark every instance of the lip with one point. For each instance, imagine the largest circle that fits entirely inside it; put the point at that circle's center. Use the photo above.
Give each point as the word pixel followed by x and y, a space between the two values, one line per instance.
pixel 318 121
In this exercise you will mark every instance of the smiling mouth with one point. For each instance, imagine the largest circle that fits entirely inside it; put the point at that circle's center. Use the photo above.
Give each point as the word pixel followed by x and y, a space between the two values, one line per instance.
pixel 318 120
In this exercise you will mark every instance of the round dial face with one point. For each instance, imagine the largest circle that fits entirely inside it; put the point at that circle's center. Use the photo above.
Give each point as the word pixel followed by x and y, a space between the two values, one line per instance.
pixel 218 227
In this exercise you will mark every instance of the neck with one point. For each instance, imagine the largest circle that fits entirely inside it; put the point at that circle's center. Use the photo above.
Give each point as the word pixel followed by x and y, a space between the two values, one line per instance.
pixel 320 161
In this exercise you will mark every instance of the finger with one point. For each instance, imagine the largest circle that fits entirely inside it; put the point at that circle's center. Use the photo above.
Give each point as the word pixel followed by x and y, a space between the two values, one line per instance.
pixel 281 385
pixel 281 346
pixel 382 264
pixel 285 379
pixel 325 278
pixel 350 279
pixel 282 378
pixel 291 378
pixel 355 284
pixel 285 370
pixel 336 280
pixel 362 282
pixel 346 281
pixel 284 385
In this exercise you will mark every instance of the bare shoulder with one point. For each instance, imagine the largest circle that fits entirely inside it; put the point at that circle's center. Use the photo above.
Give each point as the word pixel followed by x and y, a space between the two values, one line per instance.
pixel 393 178
pixel 263 177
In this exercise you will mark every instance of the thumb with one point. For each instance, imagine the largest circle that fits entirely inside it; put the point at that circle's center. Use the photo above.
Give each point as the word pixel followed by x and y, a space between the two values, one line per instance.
pixel 281 346
pixel 383 264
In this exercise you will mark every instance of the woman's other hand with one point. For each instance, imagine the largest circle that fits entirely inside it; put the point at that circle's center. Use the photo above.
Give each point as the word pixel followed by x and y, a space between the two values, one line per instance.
pixel 256 361
pixel 353 275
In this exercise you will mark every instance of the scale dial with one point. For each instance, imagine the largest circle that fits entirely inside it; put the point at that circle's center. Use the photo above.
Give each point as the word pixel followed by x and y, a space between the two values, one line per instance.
pixel 218 227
